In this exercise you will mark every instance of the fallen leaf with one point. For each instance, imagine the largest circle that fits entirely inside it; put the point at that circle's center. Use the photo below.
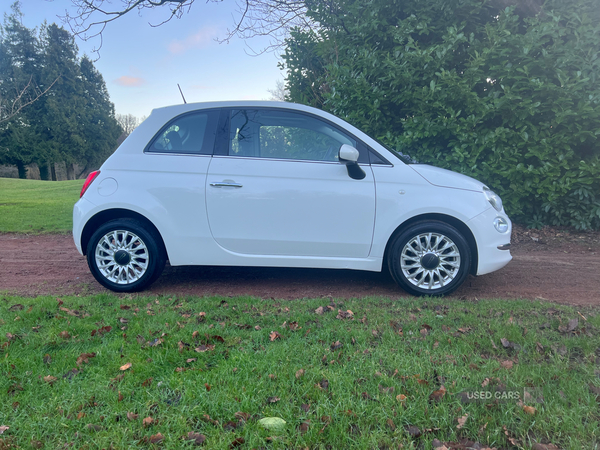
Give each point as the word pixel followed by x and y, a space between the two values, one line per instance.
pixel 64 334
pixel 132 416
pixel 101 331
pixel 204 348
pixel 242 416
pixel 207 386
pixel 319 310
pixel 273 399
pixel 196 437
pixel 156 438
pixel 345 314
pixel 257 328
pixel 3 428
pixel 84 358
pixel 336 345
pixel 94 427
pixel 237 442
pixel 125 366
pixel 438 395
pixel 507 364
pixel 274 335
pixel 390 424
pixel 299 373
pixel 303 428
pixel 401 397
pixel 529 410
pixel 50 379
pixel 413 431
pixel 147 422
pixel 305 407
pixel 462 421
pixel 47 359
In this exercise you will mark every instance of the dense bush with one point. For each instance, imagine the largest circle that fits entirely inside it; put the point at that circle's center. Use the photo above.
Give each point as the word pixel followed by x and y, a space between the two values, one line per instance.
pixel 509 96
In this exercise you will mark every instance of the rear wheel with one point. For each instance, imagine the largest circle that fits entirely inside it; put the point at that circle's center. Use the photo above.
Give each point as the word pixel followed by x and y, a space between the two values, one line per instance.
pixel 124 256
pixel 429 258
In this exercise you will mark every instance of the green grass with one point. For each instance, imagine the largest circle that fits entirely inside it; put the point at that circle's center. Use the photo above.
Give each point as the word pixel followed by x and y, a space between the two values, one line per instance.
pixel 36 207
pixel 358 406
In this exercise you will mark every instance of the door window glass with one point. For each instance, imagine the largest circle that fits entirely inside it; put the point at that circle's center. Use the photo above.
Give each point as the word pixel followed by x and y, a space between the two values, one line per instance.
pixel 284 135
pixel 188 134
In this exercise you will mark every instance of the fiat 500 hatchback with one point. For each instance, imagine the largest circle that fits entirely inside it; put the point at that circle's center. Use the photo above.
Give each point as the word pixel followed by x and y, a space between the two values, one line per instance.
pixel 281 185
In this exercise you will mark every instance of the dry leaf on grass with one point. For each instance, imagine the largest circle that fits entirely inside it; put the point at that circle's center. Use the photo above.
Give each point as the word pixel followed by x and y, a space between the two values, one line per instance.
pixel 125 366
pixel 50 379
pixel 462 421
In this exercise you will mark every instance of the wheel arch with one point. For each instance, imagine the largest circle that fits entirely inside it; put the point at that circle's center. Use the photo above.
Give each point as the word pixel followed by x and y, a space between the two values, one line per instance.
pixel 449 220
pixel 112 214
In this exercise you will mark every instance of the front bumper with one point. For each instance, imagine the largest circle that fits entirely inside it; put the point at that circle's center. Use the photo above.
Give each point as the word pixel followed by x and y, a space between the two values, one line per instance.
pixel 493 248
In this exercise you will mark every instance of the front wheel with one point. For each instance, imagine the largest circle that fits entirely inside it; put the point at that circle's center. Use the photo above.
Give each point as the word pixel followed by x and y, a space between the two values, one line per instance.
pixel 125 257
pixel 429 258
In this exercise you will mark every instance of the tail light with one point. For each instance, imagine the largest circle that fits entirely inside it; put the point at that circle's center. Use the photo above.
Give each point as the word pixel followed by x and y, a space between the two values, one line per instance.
pixel 90 178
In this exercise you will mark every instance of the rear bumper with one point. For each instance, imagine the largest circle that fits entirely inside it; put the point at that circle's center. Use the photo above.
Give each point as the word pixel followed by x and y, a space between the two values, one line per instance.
pixel 81 212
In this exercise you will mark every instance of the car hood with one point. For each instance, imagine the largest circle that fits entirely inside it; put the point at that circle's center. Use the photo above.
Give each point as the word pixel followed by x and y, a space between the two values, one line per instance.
pixel 447 178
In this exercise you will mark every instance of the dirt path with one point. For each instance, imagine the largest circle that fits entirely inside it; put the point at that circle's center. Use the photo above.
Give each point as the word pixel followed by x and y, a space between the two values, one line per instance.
pixel 549 266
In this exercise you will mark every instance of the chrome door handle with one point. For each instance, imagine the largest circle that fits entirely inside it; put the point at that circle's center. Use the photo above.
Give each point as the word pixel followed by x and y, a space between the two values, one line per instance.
pixel 226 184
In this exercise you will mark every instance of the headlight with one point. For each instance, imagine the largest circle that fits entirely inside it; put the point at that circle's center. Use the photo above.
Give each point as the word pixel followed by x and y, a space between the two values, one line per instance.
pixel 493 198
pixel 501 225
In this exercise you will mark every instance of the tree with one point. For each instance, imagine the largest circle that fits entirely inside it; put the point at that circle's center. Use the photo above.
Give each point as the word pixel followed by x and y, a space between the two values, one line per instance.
pixel 279 93
pixel 102 129
pixel 73 122
pixel 128 123
pixel 20 76
pixel 510 96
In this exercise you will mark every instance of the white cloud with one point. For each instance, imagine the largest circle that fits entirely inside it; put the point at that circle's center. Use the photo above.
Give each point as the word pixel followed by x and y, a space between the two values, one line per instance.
pixel 129 81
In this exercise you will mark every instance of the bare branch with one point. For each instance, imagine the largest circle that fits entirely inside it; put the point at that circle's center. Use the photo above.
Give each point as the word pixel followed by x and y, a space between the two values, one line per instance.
pixel 274 18
pixel 23 98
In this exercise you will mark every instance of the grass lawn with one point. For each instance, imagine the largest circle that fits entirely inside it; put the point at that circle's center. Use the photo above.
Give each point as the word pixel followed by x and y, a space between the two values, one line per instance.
pixel 152 372
pixel 32 206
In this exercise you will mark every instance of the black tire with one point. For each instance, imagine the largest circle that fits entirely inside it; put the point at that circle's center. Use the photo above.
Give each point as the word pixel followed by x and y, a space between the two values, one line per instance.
pixel 139 251
pixel 436 257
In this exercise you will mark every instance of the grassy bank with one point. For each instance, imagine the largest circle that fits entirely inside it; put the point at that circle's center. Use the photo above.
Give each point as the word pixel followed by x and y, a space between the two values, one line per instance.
pixel 32 206
pixel 139 372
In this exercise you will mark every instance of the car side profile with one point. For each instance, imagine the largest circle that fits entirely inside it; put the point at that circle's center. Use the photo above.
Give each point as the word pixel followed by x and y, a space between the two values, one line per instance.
pixel 281 185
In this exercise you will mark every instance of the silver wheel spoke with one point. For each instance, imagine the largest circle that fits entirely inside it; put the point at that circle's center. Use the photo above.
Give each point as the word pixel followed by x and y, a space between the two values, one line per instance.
pixel 122 241
pixel 439 248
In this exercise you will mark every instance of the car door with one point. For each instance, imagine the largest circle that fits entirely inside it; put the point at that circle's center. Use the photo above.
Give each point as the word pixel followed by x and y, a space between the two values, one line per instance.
pixel 279 189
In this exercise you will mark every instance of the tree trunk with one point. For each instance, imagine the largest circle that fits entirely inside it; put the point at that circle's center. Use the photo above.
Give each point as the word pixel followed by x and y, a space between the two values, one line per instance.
pixel 70 171
pixel 53 171
pixel 22 170
pixel 44 171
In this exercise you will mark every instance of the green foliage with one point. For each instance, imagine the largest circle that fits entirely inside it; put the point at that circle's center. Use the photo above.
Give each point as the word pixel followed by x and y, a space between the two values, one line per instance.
pixel 74 121
pixel 509 96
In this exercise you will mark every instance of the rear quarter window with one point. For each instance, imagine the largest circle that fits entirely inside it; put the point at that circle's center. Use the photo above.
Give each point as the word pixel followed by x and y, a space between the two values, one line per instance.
pixel 191 133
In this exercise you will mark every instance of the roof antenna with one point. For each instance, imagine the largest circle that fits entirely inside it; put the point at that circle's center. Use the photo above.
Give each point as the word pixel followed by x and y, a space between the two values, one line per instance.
pixel 181 92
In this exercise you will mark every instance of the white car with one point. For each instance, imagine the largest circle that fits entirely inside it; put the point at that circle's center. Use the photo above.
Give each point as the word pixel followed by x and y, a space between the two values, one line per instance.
pixel 281 185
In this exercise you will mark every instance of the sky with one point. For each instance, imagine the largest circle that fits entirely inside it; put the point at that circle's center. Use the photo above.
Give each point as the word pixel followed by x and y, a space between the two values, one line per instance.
pixel 142 65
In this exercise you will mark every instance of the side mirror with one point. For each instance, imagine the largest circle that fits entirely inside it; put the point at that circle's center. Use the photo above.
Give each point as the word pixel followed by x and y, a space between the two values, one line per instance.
pixel 348 155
